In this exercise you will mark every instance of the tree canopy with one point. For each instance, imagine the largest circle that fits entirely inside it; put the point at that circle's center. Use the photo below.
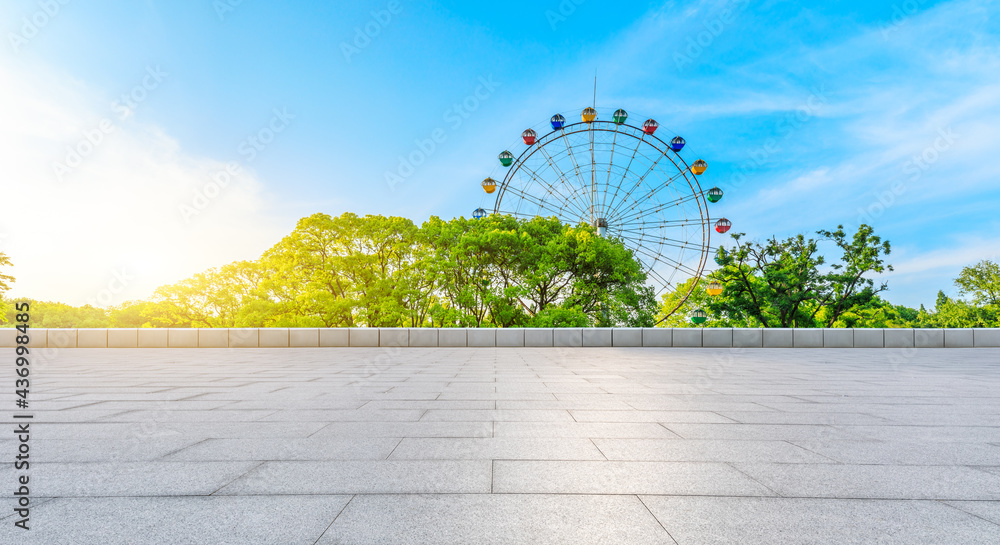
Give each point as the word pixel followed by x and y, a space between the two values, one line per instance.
pixel 376 271
pixel 981 281
pixel 787 283
pixel 5 282
pixel 500 271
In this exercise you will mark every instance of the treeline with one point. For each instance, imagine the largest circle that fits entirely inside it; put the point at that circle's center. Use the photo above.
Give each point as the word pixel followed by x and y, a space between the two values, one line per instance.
pixel 787 283
pixel 376 271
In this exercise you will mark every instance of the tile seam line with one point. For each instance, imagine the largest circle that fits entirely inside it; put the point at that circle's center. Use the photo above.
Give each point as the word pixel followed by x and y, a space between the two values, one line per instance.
pixel 648 510
pixel 238 477
pixel 171 453
pixel 752 478
pixel 342 509
pixel 393 449
pixel 598 448
pixel 790 442
pixel 959 509
pixel 321 428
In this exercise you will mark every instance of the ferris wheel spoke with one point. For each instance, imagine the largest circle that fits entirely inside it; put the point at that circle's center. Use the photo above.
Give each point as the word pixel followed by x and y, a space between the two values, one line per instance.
pixel 611 161
pixel 656 189
pixel 666 284
pixel 525 197
pixel 518 214
pixel 572 157
pixel 641 240
pixel 654 210
pixel 661 244
pixel 658 257
pixel 638 144
pixel 678 243
pixel 636 212
pixel 670 204
pixel 637 220
pixel 593 174
pixel 551 190
pixel 555 167
pixel 637 184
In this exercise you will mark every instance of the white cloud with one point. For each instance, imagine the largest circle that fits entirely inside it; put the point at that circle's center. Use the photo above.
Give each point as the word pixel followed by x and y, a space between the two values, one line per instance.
pixel 963 253
pixel 117 215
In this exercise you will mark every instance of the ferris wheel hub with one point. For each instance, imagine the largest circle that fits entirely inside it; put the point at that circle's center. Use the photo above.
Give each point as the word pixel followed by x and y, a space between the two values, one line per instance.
pixel 601 225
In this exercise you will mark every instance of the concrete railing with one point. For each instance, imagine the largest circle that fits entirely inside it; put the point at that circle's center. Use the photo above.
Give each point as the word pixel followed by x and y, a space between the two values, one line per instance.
pixel 459 337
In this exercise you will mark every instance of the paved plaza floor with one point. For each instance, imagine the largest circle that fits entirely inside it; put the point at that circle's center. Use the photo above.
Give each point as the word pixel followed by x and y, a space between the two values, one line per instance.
pixel 510 445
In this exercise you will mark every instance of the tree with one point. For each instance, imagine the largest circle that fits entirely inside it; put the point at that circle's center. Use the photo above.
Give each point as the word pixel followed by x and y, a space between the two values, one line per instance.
pixel 347 271
pixel 774 283
pixel 134 314
pixel 782 284
pixel 5 282
pixel 45 314
pixel 847 286
pixel 698 299
pixel 507 272
pixel 981 281
pixel 876 313
pixel 378 271
pixel 306 284
pixel 949 313
pixel 214 298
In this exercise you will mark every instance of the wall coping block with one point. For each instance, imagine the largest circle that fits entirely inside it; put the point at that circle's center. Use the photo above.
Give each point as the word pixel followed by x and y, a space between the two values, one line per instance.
pixel 684 337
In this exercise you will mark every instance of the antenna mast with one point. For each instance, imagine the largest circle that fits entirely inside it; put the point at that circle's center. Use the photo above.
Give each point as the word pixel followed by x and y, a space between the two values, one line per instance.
pixel 593 165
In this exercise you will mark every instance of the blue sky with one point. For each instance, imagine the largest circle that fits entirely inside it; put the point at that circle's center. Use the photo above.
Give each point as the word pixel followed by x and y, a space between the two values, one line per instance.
pixel 878 112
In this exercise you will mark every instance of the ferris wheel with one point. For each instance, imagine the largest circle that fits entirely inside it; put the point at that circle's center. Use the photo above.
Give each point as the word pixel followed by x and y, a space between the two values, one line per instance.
pixel 621 179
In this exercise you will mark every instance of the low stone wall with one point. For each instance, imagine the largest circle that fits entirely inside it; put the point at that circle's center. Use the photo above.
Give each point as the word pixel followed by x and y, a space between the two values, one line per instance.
pixel 451 337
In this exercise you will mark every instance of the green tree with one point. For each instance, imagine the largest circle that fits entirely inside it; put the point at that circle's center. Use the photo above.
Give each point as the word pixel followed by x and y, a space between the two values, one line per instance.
pixel 781 283
pixel 610 283
pixel 846 286
pixel 306 284
pixel 214 298
pixel 134 314
pixel 5 282
pixel 476 271
pixel 507 272
pixel 346 271
pixel 46 314
pixel 981 281
pixel 775 283
pixel 385 271
pixel 950 313
pixel 876 313
pixel 698 299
